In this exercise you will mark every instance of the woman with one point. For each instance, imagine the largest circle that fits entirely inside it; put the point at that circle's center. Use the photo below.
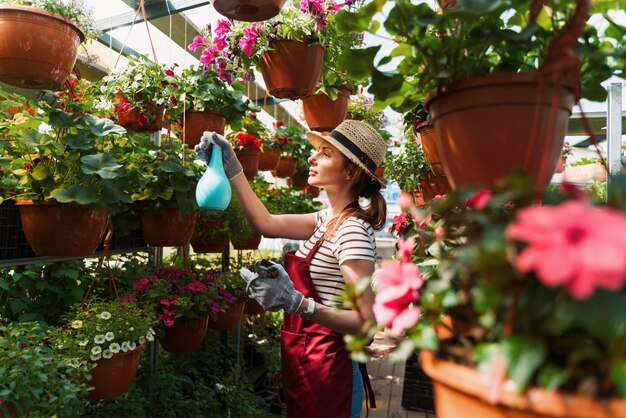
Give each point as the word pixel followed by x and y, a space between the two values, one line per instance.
pixel 339 248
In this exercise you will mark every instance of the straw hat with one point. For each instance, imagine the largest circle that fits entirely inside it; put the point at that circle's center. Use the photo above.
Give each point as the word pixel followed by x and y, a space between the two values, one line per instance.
pixel 358 141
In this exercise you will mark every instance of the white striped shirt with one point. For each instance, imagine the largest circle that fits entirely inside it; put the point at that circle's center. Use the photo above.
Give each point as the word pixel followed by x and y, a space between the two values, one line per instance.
pixel 354 239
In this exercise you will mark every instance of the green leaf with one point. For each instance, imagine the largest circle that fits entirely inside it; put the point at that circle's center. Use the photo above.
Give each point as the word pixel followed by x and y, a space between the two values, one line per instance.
pixel 552 377
pixel 103 126
pixel 40 172
pixel 359 63
pixel 385 84
pixel 78 141
pixel 75 193
pixel 103 164
pixel 171 167
pixel 619 375
pixel 17 305
pixel 523 357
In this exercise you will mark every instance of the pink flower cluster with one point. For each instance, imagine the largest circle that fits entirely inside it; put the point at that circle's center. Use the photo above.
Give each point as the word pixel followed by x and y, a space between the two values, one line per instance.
pixel 214 51
pixel 250 35
pixel 572 245
pixel 398 283
pixel 168 308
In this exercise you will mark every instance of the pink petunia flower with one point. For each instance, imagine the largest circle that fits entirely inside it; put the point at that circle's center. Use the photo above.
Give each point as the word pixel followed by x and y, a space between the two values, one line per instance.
pixel 405 249
pixel 213 306
pixel 572 245
pixel 197 42
pixel 208 56
pixel 480 199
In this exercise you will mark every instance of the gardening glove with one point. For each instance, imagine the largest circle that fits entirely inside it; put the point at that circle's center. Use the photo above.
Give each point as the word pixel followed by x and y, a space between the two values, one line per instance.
pixel 232 166
pixel 271 286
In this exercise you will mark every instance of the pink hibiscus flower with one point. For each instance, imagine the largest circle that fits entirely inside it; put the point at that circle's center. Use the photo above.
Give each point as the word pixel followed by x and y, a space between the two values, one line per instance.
pixel 572 245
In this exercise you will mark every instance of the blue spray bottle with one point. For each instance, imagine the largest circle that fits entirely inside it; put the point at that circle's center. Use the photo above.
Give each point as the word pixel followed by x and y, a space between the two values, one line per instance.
pixel 213 190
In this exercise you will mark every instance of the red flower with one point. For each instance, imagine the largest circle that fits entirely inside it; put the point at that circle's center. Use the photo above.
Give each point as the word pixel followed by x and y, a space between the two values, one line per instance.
pixel 246 140
pixel 173 100
pixel 124 107
pixel 278 123
pixel 169 72
pixel 142 120
pixel 253 115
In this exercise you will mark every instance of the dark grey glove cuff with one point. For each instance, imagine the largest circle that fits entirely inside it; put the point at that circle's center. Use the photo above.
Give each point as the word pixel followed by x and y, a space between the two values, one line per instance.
pixel 294 301
pixel 232 166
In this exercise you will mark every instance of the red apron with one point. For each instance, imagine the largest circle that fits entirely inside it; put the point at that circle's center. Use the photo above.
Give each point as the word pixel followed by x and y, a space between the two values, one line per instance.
pixel 316 367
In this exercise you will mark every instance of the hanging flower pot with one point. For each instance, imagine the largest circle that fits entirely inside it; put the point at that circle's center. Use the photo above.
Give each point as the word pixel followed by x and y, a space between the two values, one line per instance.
pixel 324 114
pixel 248 10
pixel 133 119
pixel 249 159
pixel 292 69
pixel 39 48
pixel 195 123
pixel 460 392
pixel 250 243
pixel 312 191
pixel 286 167
pixel 252 307
pixel 171 228
pixel 527 123
pixel 185 335
pixel 112 377
pixel 300 179
pixel 268 160
pixel 208 236
pixel 228 319
pixel 53 229
pixel 434 186
pixel 426 135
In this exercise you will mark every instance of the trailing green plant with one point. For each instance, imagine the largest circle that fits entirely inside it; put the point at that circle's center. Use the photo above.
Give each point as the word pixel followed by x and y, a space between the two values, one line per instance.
pixel 285 200
pixel 585 161
pixel 239 227
pixel 75 10
pixel 36 379
pixel 418 116
pixel 407 166
pixel 289 139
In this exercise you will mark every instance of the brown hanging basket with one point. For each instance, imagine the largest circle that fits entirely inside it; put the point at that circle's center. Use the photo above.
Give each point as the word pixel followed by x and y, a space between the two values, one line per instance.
pixel 248 10
pixel 299 180
pixel 132 119
pixel 268 160
pixel 228 319
pixel 249 159
pixel 286 167
pixel 195 123
pixel 39 48
pixel 54 229
pixel 185 335
pixel 112 377
pixel 426 135
pixel 171 228
pixel 292 69
pixel 434 186
pixel 252 307
pixel 323 114
pixel 250 243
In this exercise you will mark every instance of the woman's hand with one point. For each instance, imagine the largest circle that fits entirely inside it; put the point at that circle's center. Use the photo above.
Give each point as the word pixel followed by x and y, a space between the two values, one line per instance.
pixel 271 286
pixel 232 166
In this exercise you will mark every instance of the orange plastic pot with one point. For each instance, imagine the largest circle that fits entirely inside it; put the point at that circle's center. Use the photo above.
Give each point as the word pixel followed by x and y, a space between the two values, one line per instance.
pixel 249 159
pixel 132 119
pixel 250 243
pixel 112 377
pixel 433 186
pixel 185 335
pixel 248 10
pixel 228 319
pixel 38 48
pixel 427 136
pixel 252 307
pixel 195 123
pixel 54 229
pixel 292 69
pixel 268 160
pixel 460 392
pixel 286 167
pixel 171 228
pixel 523 131
pixel 324 114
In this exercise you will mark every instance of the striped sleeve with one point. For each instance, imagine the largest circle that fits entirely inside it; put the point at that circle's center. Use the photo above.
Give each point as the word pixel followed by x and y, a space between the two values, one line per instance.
pixel 354 241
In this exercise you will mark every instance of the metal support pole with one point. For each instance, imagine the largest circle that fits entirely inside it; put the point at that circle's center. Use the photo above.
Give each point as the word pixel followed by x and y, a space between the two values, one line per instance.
pixel 614 130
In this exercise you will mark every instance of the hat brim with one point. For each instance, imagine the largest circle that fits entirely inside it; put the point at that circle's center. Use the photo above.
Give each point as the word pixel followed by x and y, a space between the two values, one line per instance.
pixel 316 139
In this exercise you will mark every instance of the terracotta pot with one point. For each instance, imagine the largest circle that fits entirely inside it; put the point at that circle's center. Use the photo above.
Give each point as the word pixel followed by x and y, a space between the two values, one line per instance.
pixel 286 167
pixel 228 319
pixel 205 240
pixel 54 229
pixel 248 10
pixel 250 243
pixel 300 179
pixel 312 191
pixel 185 335
pixel 292 69
pixel 460 391
pixel 418 197
pixel 252 307
pixel 112 377
pixel 427 136
pixel 171 228
pixel 39 48
pixel 433 186
pixel 195 123
pixel 268 160
pixel 130 119
pixel 473 153
pixel 560 167
pixel 249 159
pixel 323 114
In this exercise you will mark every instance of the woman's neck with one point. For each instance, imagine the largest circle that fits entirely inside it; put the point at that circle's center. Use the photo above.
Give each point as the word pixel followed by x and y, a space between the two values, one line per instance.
pixel 337 201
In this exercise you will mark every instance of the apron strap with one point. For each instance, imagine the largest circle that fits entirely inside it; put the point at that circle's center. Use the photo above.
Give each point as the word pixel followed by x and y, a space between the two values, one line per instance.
pixel 370 399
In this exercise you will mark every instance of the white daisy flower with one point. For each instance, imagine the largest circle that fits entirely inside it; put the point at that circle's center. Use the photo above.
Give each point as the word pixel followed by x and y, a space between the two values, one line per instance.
pixel 107 354
pixel 114 348
pixel 109 336
pixel 77 324
pixel 150 337
pixel 132 346
pixel 151 331
pixel 131 329
pixel 96 350
pixel 83 343
pixel 105 315
pixel 99 339
pixel 142 340
pixel 95 357
pixel 125 346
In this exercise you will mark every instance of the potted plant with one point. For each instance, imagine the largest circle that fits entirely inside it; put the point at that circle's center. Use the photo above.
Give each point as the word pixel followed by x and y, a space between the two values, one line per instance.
pixel 247 143
pixel 362 107
pixel 270 148
pixel 417 122
pixel 182 300
pixel 523 334
pixel 566 151
pixel 233 289
pixel 248 11
pixel 65 172
pixel 32 372
pixel 288 50
pixel 289 140
pixel 443 52
pixel 242 234
pixel 108 336
pixel 586 170
pixel 164 190
pixel 205 103
pixel 142 92
pixel 49 34
pixel 211 232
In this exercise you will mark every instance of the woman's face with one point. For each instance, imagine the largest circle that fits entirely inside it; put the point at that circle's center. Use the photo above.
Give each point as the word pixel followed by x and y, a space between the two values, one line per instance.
pixel 327 168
